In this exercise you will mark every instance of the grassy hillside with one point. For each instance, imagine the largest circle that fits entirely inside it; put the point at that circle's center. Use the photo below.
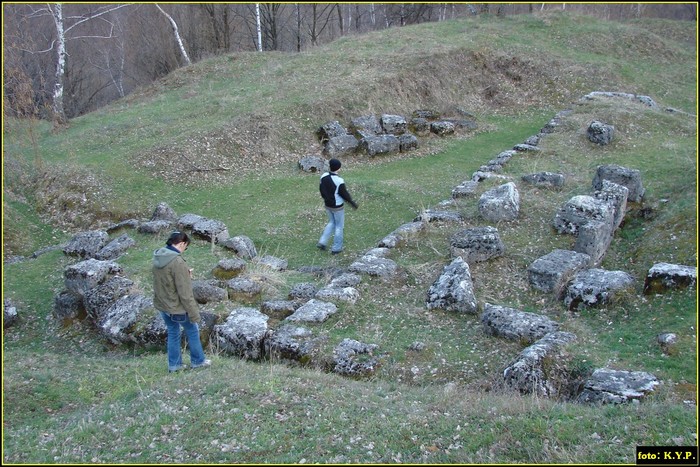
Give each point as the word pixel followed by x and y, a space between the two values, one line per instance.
pixel 70 397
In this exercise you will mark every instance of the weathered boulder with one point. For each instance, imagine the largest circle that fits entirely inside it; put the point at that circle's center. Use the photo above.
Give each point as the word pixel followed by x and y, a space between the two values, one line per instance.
pixel 442 128
pixel 646 100
pixel 187 221
pixel 433 215
pixel 243 288
pixel 481 175
pixel 279 309
pixel 374 263
pixel 490 167
pixel 10 315
pixel 665 276
pixel 365 125
pixel 163 212
pixel 615 195
pixel 338 294
pixel 241 245
pixel 123 225
pixel 208 291
pixel 512 324
pixel 419 126
pixel 600 133
pixel 477 244
pixel 210 230
pixel 461 123
pixel 380 144
pixel 503 157
pixel 228 268
pixel 582 209
pixel 154 227
pixel 292 343
pixel 555 122
pixel 86 275
pixel 501 203
pixel 115 248
pixel 465 189
pixel 541 368
pixel 544 179
pixel 117 322
pixel 402 234
pixel 312 164
pixel 407 141
pixel 608 386
pixel 553 271
pixel 330 130
pixel 242 333
pixel 313 311
pixel 523 147
pixel 346 279
pixel 533 140
pixel 393 124
pixel 342 145
pixel 667 342
pixel 99 299
pixel 303 291
pixel 355 359
pixel 596 287
pixel 593 239
pixel 630 178
pixel 428 114
pixel 453 290
pixel 86 244
pixel 271 262
pixel 67 307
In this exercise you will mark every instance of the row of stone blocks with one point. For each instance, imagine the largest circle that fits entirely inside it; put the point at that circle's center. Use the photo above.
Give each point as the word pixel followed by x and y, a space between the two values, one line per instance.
pixel 593 220
pixel 98 290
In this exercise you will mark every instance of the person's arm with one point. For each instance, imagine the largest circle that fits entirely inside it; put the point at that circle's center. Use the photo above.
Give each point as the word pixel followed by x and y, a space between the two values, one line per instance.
pixel 183 284
pixel 343 192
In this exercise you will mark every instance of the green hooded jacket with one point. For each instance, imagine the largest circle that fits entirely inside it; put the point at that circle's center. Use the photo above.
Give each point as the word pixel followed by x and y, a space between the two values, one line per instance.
pixel 172 285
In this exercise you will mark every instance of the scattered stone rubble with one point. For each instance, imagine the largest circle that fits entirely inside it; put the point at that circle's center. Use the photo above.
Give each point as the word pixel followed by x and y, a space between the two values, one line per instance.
pixel 96 288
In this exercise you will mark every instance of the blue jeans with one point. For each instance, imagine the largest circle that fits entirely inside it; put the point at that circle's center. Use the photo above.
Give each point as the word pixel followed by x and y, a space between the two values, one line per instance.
pixel 175 323
pixel 336 223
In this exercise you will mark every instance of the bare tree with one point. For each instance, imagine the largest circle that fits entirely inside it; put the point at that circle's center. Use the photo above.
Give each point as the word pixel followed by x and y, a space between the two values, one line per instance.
pixel 340 18
pixel 176 32
pixel 319 21
pixel 258 26
pixel 63 29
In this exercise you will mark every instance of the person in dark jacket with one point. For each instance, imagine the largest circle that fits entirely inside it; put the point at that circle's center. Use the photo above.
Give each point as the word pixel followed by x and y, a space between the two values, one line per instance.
pixel 334 194
pixel 174 298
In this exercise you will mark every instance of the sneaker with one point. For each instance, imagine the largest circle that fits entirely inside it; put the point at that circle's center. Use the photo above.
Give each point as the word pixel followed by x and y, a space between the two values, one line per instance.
pixel 335 252
pixel 321 247
pixel 204 364
pixel 175 370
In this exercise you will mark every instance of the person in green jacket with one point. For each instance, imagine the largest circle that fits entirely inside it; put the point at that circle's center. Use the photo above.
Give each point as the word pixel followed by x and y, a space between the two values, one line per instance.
pixel 173 297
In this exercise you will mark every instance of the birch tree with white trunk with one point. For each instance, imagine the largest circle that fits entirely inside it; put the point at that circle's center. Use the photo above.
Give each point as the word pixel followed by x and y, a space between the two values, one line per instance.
pixel 64 28
pixel 258 25
pixel 178 39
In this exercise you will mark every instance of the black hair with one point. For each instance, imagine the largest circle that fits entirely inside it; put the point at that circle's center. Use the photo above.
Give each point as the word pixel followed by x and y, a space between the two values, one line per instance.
pixel 334 164
pixel 178 237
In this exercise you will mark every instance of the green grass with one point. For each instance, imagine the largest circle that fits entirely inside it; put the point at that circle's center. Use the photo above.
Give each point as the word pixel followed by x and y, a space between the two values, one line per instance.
pixel 70 397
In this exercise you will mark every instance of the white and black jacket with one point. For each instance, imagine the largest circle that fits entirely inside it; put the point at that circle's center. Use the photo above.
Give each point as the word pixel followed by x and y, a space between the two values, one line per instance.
pixel 333 191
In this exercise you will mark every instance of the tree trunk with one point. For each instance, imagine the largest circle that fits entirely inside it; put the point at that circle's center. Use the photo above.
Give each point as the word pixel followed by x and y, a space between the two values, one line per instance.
pixel 177 36
pixel 59 115
pixel 258 26
pixel 340 19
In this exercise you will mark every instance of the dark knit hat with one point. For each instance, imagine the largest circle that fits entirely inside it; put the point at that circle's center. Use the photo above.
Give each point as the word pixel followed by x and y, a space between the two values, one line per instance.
pixel 334 164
